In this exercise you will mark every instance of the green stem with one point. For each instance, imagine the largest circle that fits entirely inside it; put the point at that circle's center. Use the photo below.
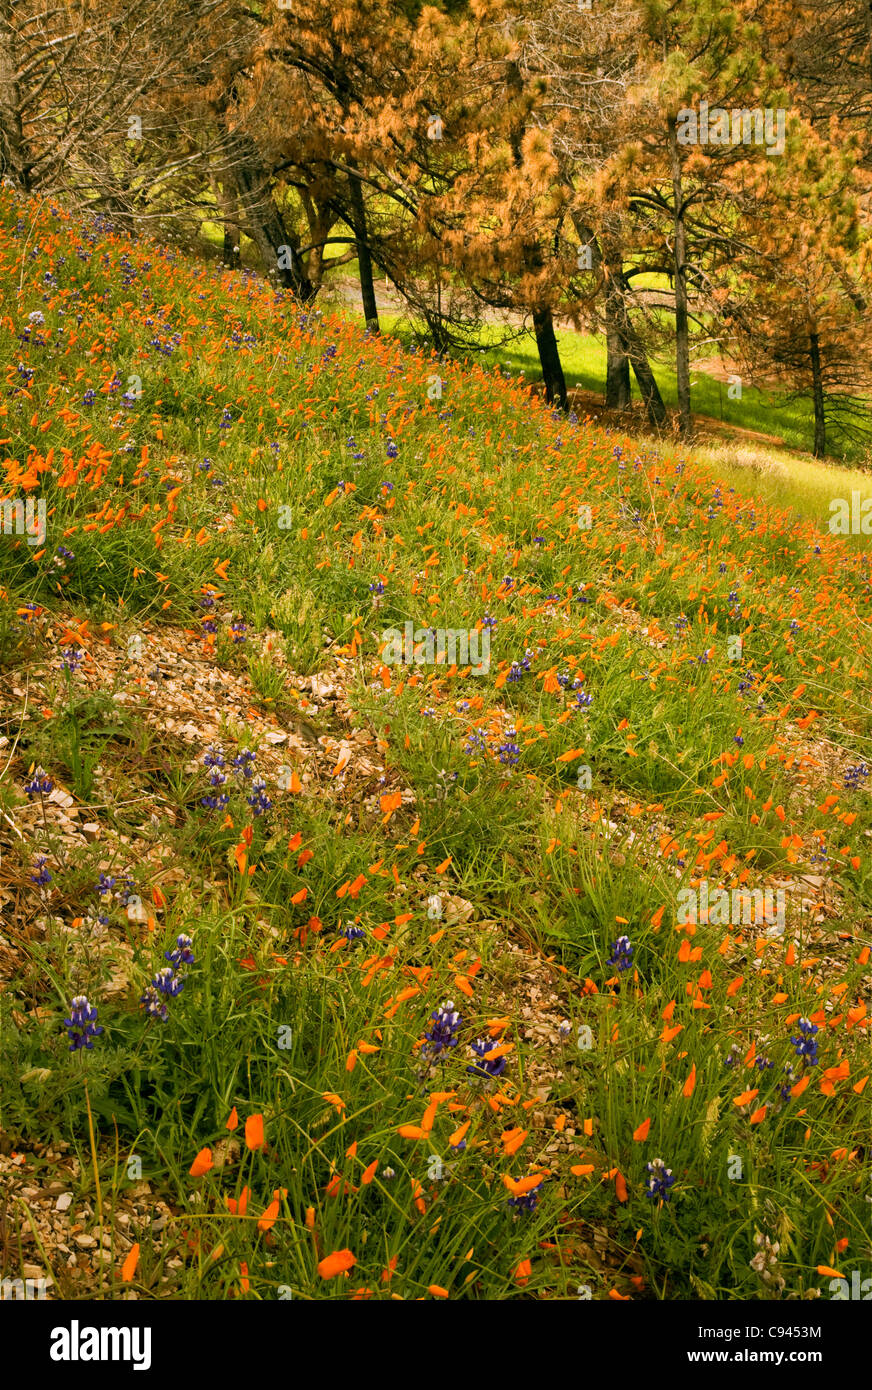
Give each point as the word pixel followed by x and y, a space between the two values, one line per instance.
pixel 96 1178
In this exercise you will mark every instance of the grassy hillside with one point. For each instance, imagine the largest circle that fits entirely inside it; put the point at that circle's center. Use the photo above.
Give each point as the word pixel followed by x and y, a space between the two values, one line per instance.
pixel 204 735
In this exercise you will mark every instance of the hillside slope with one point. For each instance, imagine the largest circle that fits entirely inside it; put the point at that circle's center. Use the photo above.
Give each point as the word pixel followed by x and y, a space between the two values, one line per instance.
pixel 447 1010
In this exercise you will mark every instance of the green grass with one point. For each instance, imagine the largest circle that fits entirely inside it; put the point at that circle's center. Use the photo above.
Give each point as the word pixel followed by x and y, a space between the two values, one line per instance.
pixel 584 364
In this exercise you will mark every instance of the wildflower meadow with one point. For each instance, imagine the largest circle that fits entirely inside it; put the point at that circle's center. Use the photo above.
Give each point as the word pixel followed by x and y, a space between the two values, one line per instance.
pixel 435 806
pixel 327 977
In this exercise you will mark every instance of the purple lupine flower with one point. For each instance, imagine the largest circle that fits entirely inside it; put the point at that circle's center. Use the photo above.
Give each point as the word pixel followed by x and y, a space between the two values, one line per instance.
pixel 214 758
pixel 527 1202
pixel 73 658
pixel 805 1045
pixel 40 783
pixel 565 681
pixel 128 891
pixel 154 1006
pixel 42 875
pixel 244 763
pixel 508 751
pixel 442 1034
pixel 258 801
pixel 486 1066
pixel 622 954
pixel 81 1025
pixel 660 1181
pixel 167 982
pixel 518 669
pixel 182 955
pixel 476 742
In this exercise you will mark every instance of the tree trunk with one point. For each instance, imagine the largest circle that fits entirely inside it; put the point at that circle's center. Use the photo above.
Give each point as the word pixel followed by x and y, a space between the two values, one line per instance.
pixel 319 226
pixel 549 357
pixel 617 374
pixel 820 423
pixel 342 89
pixel 654 406
pixel 617 361
pixel 364 260
pixel 13 152
pixel 627 340
pixel 543 319
pixel 231 235
pixel 264 222
pixel 682 336
pixel 231 255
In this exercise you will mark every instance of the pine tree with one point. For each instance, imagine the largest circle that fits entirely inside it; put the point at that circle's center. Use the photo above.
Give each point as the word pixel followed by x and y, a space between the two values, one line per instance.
pixel 678 170
pixel 800 298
